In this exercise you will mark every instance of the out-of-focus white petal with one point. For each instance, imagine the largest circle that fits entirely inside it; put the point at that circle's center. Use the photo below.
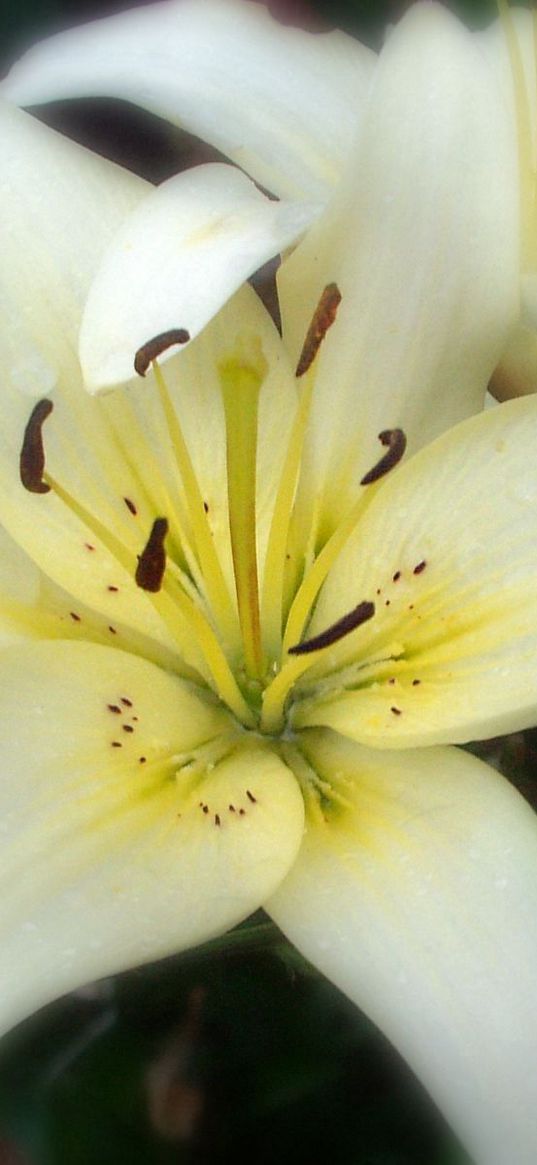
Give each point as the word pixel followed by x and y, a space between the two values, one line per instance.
pixel 421 239
pixel 447 552
pixel 176 260
pixel 418 897
pixel 109 860
pixel 283 104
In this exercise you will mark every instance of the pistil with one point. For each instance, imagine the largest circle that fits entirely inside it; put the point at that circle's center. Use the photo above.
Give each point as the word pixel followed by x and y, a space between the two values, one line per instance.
pixel 241 375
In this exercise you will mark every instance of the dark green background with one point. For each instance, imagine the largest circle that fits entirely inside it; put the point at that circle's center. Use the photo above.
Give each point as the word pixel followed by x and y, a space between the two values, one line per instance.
pixel 238 1051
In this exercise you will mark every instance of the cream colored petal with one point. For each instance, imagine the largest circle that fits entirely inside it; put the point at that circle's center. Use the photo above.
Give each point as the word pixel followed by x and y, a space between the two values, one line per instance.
pixel 59 208
pixel 422 241
pixel 419 900
pixel 109 860
pixel 448 554
pixel 176 260
pixel 283 104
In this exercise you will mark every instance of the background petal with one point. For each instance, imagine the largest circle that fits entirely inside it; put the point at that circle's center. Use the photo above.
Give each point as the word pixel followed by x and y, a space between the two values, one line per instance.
pixel 422 242
pixel 281 103
pixel 419 901
pixel 109 860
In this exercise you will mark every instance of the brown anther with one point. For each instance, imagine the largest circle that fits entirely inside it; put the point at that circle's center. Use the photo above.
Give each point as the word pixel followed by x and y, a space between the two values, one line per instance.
pixel 152 560
pixel 156 346
pixel 349 622
pixel 32 457
pixel 396 442
pixel 323 318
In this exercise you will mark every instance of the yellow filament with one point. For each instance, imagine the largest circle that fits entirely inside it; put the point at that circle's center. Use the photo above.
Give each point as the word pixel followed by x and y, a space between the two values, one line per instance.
pixel 275 696
pixel 313 581
pixel 224 680
pixel 215 583
pixel 137 451
pixel 241 377
pixel 274 573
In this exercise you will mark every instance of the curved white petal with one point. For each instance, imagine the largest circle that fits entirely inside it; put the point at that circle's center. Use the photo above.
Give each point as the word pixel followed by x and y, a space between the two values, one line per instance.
pixel 108 860
pixel 448 554
pixel 422 242
pixel 283 104
pixel 419 900
pixel 174 262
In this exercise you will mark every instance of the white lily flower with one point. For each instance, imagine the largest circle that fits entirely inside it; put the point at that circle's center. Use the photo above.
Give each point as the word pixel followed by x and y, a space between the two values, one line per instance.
pixel 285 105
pixel 239 636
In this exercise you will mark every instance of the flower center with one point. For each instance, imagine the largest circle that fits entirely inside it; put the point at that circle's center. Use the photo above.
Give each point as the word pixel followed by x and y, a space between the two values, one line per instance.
pixel 253 643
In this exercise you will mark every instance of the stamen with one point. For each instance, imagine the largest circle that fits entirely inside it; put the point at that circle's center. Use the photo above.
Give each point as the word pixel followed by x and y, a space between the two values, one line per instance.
pixel 396 441
pixel 156 346
pixel 323 318
pixel 349 622
pixel 32 457
pixel 212 574
pixel 275 559
pixel 152 560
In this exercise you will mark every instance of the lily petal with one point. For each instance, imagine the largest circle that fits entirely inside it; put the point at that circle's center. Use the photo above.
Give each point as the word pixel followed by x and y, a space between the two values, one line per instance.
pixel 419 900
pixel 108 860
pixel 283 104
pixel 59 207
pixel 174 262
pixel 421 239
pixel 447 552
